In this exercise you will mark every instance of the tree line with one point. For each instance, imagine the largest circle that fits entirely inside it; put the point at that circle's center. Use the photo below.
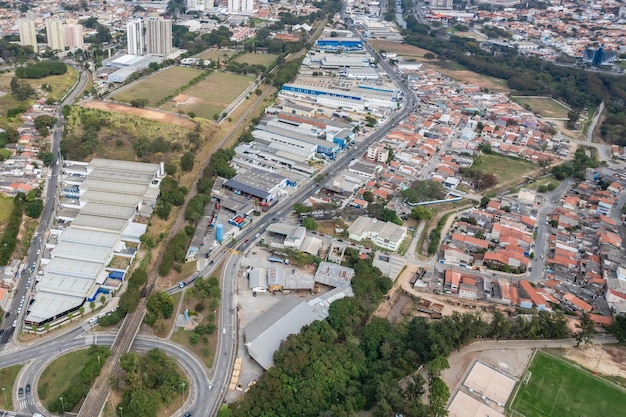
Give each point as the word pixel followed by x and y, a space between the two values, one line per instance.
pixel 28 204
pixel 41 70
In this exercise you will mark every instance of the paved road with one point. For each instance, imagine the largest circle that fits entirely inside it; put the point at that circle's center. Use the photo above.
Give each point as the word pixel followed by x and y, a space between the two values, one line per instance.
pixel 41 354
pixel 32 260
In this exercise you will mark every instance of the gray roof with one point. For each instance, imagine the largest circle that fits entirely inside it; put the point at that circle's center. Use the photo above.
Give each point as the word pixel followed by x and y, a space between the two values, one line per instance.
pixel 49 305
pixel 264 334
pixel 334 275
pixel 255 182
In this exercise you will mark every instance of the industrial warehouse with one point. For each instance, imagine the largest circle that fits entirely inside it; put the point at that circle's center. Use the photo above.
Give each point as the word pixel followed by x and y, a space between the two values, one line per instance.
pixel 104 207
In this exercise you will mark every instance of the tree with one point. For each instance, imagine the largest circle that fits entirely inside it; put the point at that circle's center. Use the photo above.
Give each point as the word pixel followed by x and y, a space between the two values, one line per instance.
pixel 586 330
pixel 21 91
pixel 92 305
pixel 424 191
pixel 81 310
pixel 421 213
pixel 368 196
pixel 309 224
pixel 34 208
pixel 46 157
pixel 187 161
pixel 618 328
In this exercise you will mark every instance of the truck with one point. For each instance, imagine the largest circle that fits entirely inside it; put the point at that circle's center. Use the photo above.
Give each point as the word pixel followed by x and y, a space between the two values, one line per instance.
pixel 187 281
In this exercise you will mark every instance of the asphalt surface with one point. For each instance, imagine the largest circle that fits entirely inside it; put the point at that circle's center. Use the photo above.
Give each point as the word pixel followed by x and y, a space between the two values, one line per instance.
pixel 32 260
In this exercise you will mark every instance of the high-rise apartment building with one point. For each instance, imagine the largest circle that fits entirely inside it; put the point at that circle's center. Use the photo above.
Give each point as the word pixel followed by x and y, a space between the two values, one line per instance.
pixel 200 5
pixel 241 6
pixel 56 34
pixel 28 35
pixel 158 36
pixel 136 37
pixel 74 36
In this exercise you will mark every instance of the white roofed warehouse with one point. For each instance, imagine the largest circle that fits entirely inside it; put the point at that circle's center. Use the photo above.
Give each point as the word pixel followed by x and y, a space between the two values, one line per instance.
pixel 104 207
pixel 385 235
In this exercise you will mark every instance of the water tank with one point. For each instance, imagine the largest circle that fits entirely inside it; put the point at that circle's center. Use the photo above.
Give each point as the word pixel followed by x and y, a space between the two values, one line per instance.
pixel 219 233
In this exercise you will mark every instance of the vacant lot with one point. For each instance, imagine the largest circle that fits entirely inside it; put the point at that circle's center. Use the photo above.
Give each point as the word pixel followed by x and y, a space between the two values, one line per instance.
pixel 158 85
pixel 553 387
pixel 503 167
pixel 211 95
pixel 214 54
pixel 257 59
pixel 545 106
pixel 399 48
pixel 157 116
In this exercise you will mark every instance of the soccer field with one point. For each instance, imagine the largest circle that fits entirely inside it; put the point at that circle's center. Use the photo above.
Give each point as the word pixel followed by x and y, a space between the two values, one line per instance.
pixel 553 387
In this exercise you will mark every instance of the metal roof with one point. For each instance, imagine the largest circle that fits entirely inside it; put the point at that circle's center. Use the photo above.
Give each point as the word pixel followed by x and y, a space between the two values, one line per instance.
pixel 49 305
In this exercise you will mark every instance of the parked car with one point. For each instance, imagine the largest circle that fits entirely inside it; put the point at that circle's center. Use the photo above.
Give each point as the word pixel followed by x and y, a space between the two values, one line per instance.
pixel 20 392
pixel 27 388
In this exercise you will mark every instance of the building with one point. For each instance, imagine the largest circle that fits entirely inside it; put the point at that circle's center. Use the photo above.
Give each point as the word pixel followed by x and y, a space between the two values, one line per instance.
pixel 340 44
pixel 241 6
pixel 385 235
pixel 158 36
pixel 136 37
pixel 200 5
pixel 28 35
pixel 56 34
pixel 599 56
pixel 74 36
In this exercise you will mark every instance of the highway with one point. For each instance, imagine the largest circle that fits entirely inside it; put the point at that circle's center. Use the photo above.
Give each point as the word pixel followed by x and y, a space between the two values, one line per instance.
pixel 22 288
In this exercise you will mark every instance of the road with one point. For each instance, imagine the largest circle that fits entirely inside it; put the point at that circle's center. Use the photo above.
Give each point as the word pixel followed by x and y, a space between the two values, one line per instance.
pixel 32 260
pixel 40 355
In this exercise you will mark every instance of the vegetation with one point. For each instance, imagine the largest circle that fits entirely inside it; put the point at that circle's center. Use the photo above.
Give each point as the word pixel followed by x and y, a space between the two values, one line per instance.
pixel 22 203
pixel 424 191
pixel 160 306
pixel 618 328
pixel 129 300
pixel 148 382
pixel 76 376
pixel 175 251
pixel 560 389
pixel 584 158
pixel 41 69
pixel 309 223
pixel 20 91
pixel 7 380
pixel 504 168
pixel 207 290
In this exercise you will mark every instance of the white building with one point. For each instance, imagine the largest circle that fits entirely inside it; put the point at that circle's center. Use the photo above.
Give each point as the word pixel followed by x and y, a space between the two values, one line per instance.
pixel 241 6
pixel 28 35
pixel 56 34
pixel 200 5
pixel 74 36
pixel 136 37
pixel 159 36
pixel 385 235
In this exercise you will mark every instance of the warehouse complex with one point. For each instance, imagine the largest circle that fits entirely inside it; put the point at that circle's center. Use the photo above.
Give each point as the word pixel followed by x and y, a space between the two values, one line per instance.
pixel 104 208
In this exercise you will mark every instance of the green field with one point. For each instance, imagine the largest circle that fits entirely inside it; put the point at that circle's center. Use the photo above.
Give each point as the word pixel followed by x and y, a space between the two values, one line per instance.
pixel 553 387
pixel 503 167
pixel 7 379
pixel 545 106
pixel 213 94
pixel 157 86
pixel 58 376
pixel 257 59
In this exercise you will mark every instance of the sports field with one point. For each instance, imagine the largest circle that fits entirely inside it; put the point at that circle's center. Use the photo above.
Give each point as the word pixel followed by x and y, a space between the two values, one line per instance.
pixel 158 85
pixel 553 387
pixel 211 95
pixel 545 106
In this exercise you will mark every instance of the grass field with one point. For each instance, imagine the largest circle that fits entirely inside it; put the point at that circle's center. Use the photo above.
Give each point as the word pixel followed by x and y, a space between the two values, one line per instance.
pixel 257 59
pixel 7 379
pixel 159 85
pixel 215 93
pixel 553 387
pixel 58 376
pixel 6 205
pixel 505 168
pixel 214 54
pixel 545 106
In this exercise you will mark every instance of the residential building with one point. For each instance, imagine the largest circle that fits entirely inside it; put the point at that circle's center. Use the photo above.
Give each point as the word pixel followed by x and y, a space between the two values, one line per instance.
pixel 136 37
pixel 241 6
pixel 28 35
pixel 385 235
pixel 56 34
pixel 158 36
pixel 74 36
pixel 200 5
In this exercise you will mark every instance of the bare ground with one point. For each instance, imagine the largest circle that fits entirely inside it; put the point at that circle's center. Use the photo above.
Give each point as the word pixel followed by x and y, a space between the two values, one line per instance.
pixel 155 115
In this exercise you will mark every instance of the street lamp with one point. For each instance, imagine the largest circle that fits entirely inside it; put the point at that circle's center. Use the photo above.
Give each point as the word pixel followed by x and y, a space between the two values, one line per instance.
pixel 121 414
pixel 183 385
pixel 62 405
pixel 6 403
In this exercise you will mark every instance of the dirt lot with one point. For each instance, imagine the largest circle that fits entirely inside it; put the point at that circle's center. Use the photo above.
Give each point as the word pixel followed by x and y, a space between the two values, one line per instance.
pixel 156 115
pixel 606 360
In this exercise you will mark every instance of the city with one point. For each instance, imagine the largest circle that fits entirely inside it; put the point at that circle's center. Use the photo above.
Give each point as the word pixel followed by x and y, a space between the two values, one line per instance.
pixel 301 208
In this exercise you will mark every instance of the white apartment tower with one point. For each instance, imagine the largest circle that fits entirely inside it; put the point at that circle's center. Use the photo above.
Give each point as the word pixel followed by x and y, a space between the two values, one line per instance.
pixel 136 37
pixel 200 5
pixel 74 36
pixel 56 34
pixel 158 36
pixel 28 36
pixel 241 6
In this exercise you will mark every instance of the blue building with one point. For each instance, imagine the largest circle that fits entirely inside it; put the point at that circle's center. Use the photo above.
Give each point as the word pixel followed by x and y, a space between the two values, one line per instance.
pixel 335 44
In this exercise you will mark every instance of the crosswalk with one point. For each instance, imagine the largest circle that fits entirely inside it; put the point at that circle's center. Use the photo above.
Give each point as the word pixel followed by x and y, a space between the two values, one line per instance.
pixel 25 403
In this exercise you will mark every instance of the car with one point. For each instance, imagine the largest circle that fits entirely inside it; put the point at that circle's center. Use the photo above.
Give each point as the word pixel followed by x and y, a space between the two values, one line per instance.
pixel 27 388
pixel 14 323
pixel 187 415
pixel 210 387
pixel 7 314
pixel 19 310
pixel 20 392
pixel 224 330
pixel 38 251
pixel 210 262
